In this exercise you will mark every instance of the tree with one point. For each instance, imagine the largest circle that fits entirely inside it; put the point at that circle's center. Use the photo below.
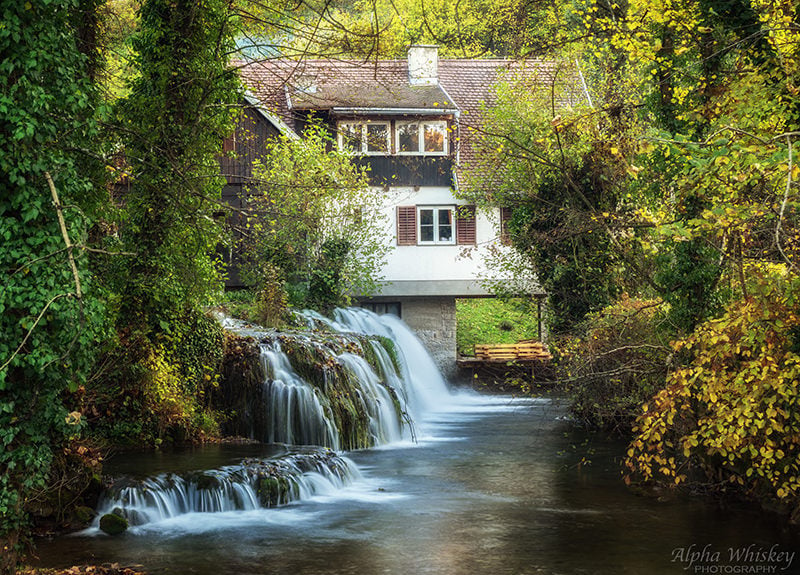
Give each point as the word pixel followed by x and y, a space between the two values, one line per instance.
pixel 49 312
pixel 559 170
pixel 180 107
pixel 316 226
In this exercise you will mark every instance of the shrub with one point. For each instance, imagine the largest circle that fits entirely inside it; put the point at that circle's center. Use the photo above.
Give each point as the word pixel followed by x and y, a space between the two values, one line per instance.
pixel 618 364
pixel 731 416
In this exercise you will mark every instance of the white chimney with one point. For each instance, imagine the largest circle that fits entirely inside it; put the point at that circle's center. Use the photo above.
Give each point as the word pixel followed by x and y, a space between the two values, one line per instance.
pixel 423 65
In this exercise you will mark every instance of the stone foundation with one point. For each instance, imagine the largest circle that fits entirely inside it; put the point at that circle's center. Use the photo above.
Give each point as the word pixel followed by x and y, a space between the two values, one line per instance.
pixel 433 319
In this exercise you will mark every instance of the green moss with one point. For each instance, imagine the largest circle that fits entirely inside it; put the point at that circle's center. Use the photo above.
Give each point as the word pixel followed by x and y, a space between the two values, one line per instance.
pixel 273 490
pixel 113 524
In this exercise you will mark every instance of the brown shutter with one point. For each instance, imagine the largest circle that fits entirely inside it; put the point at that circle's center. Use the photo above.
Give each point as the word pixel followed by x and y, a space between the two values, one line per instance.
pixel 505 218
pixel 406 225
pixel 229 143
pixel 465 225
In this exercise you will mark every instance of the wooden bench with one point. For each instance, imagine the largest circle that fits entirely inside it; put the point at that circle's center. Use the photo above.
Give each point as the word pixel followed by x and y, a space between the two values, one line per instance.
pixel 530 350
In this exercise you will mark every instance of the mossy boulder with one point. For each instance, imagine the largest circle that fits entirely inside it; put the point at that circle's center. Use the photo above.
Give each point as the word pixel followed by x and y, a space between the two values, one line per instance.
pixel 113 524
pixel 83 514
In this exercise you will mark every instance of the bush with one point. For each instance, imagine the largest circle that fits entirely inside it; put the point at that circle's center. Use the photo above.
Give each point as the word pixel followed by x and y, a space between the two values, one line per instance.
pixel 617 365
pixel 157 391
pixel 730 418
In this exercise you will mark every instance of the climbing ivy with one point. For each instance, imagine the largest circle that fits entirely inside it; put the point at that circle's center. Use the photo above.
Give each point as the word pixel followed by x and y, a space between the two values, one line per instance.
pixel 49 313
pixel 180 107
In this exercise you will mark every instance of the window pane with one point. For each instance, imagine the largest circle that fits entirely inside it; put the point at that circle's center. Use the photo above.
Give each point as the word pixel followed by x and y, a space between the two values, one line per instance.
pixel 445 220
pixel 408 138
pixel 434 137
pixel 426 225
pixel 377 138
pixel 426 217
pixel 351 136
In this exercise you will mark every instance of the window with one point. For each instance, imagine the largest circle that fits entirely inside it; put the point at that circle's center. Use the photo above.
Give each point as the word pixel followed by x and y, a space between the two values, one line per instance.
pixel 364 137
pixel 383 308
pixel 436 225
pixel 422 137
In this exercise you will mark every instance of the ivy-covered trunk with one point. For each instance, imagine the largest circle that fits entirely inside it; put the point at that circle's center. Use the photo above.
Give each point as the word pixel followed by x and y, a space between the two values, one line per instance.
pixel 180 108
pixel 49 314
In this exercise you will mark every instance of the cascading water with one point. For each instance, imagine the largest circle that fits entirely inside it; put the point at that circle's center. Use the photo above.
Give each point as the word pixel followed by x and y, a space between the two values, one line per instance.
pixel 254 484
pixel 358 387
pixel 295 414
pixel 384 423
pixel 423 387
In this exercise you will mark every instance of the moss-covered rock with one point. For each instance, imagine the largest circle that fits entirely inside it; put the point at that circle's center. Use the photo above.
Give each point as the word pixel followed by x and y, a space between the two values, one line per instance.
pixel 83 514
pixel 113 524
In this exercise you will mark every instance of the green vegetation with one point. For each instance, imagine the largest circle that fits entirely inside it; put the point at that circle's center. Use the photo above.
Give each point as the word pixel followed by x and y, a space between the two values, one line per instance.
pixel 729 417
pixel 315 231
pixel 50 313
pixel 80 266
pixel 665 209
pixel 620 358
pixel 494 320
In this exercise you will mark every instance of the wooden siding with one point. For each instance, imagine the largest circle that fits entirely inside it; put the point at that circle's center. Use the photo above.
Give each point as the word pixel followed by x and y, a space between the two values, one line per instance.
pixel 408 170
pixel 245 145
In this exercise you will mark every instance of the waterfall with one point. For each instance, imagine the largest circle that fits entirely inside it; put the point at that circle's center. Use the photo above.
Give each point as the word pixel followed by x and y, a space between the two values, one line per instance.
pixel 294 411
pixel 384 422
pixel 423 385
pixel 253 484
pixel 359 383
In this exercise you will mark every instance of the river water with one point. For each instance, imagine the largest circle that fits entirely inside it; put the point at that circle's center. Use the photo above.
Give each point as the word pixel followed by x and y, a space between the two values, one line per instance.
pixel 493 486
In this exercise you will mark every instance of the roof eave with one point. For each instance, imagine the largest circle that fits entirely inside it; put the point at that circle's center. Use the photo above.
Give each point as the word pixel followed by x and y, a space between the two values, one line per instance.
pixel 272 118
pixel 358 111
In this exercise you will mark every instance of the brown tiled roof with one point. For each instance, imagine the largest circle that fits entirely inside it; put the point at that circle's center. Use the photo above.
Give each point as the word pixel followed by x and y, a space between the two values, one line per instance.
pixel 360 94
pixel 282 87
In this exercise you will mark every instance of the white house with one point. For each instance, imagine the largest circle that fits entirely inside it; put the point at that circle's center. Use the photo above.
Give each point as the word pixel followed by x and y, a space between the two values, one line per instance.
pixel 413 122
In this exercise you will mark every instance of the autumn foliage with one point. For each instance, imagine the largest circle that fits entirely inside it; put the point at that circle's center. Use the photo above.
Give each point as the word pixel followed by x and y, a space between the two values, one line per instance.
pixel 730 417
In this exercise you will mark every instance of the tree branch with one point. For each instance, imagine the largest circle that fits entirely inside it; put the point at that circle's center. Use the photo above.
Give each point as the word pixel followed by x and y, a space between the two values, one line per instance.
pixel 778 226
pixel 35 323
pixel 65 235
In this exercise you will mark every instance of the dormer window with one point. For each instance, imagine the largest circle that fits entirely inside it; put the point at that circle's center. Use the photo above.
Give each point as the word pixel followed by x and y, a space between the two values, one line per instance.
pixel 364 137
pixel 425 137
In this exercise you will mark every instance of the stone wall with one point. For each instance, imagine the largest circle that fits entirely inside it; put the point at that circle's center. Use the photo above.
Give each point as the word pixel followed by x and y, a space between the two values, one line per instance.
pixel 433 319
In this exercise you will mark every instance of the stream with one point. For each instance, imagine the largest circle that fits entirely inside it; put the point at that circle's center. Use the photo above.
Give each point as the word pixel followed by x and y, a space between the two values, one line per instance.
pixel 488 485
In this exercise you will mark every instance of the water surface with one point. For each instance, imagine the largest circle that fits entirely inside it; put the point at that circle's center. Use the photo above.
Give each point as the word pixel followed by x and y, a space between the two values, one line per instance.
pixel 494 486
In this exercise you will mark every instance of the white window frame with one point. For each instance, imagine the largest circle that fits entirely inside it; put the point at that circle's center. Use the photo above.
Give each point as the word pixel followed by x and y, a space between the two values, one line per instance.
pixel 421 137
pixel 364 151
pixel 436 241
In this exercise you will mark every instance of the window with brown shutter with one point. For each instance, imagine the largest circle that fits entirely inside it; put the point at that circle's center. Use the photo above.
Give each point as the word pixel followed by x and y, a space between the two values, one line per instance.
pixel 465 225
pixel 406 225
pixel 505 218
pixel 229 143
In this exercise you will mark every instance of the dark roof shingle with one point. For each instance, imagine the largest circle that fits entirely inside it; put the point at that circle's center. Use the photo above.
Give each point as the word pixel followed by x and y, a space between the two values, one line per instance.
pixel 284 86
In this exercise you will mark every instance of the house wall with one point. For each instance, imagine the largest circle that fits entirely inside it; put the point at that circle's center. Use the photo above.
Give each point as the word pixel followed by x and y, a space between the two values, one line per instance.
pixel 436 270
pixel 433 320
pixel 426 279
